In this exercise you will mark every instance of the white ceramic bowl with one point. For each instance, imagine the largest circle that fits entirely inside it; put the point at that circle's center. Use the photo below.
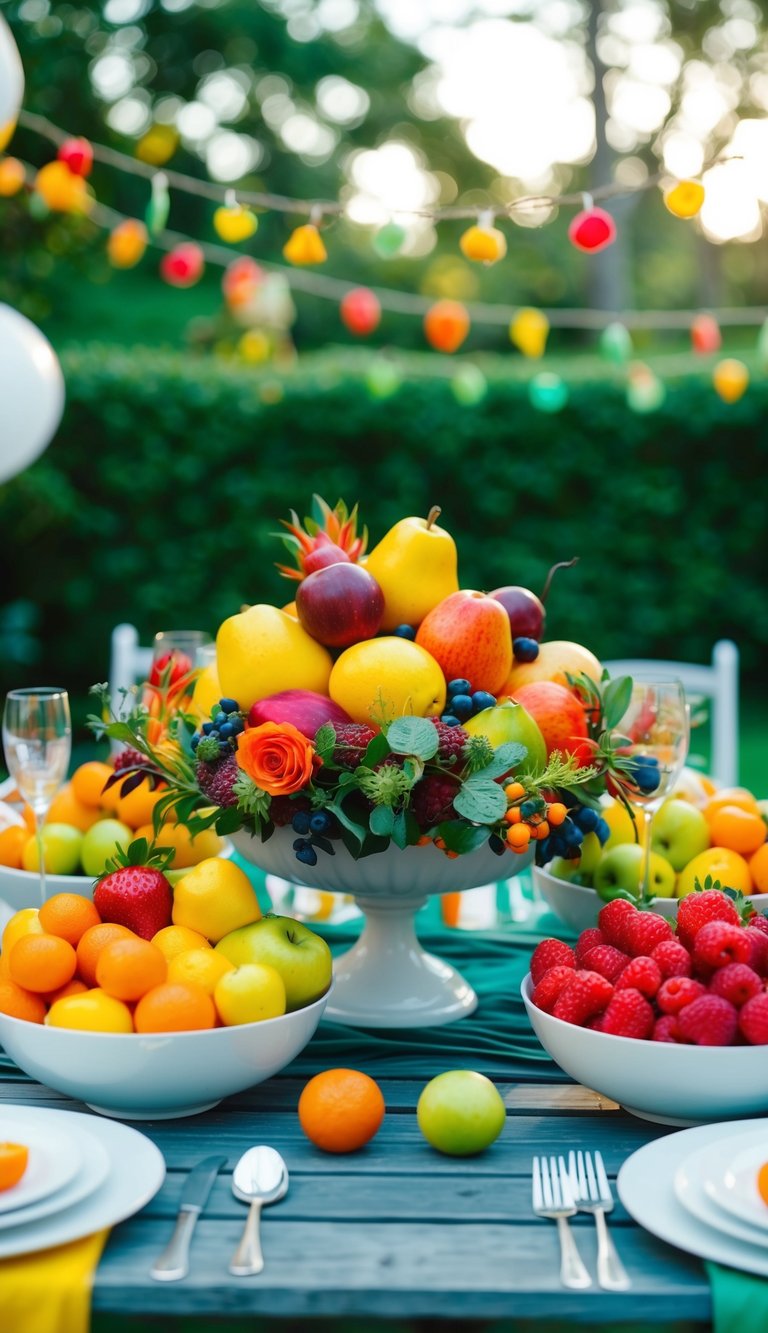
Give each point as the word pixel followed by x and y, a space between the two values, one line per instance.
pixel 159 1076
pixel 578 906
pixel 676 1085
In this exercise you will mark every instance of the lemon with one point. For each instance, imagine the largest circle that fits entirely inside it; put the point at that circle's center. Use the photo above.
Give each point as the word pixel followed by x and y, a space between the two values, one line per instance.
pixel 262 651
pixel 215 898
pixel 381 679
pixel 90 1011
pixel 204 966
pixel 24 922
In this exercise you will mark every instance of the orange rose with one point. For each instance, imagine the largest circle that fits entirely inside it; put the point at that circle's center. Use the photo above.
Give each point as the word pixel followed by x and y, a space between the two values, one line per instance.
pixel 277 756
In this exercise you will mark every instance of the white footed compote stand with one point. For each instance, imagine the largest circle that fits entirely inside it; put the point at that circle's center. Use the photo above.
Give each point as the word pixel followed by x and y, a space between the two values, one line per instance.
pixel 387 980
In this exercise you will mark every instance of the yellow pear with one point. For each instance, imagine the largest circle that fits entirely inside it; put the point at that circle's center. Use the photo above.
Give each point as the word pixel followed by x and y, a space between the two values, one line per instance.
pixel 262 650
pixel 214 898
pixel 207 692
pixel 381 679
pixel 415 565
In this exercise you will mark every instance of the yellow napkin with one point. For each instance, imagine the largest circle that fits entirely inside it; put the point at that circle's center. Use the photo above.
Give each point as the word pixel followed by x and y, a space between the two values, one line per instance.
pixel 50 1291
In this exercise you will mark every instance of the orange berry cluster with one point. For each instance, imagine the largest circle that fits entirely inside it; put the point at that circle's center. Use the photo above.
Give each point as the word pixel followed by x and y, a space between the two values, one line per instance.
pixel 529 817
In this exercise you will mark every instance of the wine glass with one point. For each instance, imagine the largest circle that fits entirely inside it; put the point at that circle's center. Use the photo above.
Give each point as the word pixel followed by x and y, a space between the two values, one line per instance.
pixel 653 737
pixel 37 739
pixel 184 646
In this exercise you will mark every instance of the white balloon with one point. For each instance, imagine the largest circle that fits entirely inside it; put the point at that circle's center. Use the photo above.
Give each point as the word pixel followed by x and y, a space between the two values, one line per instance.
pixel 31 392
pixel 11 83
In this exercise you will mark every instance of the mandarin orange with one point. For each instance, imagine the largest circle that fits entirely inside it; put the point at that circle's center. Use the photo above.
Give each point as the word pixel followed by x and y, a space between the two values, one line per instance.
pixel 91 944
pixel 340 1110
pixel 175 1006
pixel 127 969
pixel 42 962
pixel 68 915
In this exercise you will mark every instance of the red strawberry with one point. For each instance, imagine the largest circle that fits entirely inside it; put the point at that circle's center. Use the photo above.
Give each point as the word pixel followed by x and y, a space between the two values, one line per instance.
pixel 550 953
pixel 719 943
pixel 672 957
pixel 588 939
pixel 606 960
pixel 709 1021
pixel 588 994
pixel 549 988
pixel 613 921
pixel 135 892
pixel 753 1020
pixel 737 983
pixel 643 974
pixel 665 1029
pixel 696 909
pixel 676 992
pixel 645 931
pixel 628 1015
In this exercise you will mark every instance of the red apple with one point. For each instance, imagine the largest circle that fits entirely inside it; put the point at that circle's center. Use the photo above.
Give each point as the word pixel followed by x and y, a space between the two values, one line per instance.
pixel 304 708
pixel 560 717
pixel 468 635
pixel 340 605
pixel 525 610
pixel 322 556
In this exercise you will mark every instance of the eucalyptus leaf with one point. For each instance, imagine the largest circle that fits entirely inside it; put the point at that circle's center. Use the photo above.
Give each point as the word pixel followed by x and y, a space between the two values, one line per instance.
pixel 382 820
pixel 481 800
pixel 414 735
pixel 506 757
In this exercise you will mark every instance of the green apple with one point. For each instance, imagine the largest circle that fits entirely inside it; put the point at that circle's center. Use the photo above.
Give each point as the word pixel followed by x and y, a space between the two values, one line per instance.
pixel 510 722
pixel 301 957
pixel 580 869
pixel 460 1113
pixel 622 868
pixel 562 869
pixel 61 850
pixel 249 994
pixel 679 832
pixel 100 844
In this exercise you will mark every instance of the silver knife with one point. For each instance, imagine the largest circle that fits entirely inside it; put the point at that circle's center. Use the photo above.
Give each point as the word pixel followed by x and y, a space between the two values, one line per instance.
pixel 174 1261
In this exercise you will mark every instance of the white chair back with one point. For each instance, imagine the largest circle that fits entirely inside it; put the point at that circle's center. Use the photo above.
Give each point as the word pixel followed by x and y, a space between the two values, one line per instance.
pixel 129 662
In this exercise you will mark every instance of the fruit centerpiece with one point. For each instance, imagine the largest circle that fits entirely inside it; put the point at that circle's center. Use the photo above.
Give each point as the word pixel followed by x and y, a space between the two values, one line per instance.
pixel 391 735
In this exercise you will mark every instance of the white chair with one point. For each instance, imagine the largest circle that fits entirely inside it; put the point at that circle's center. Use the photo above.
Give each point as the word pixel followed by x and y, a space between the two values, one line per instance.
pixel 129 662
pixel 718 683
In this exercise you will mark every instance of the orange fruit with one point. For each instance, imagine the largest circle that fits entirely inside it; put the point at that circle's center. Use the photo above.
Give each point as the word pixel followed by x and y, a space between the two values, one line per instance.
pixel 28 815
pixel 758 868
pixel 127 969
pixel 91 944
pixel 762 1182
pixel 68 916
pixel 12 840
pixel 738 829
pixel 73 987
pixel 88 782
pixel 13 1163
pixel 66 809
pixel 42 962
pixel 136 808
pixel 341 1109
pixel 25 922
pixel 173 940
pixel 731 796
pixel 176 1006
pixel 90 1011
pixel 20 1003
pixel 203 966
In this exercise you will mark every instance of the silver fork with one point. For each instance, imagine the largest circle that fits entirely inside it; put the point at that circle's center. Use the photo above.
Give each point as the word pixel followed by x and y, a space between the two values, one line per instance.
pixel 553 1198
pixel 592 1194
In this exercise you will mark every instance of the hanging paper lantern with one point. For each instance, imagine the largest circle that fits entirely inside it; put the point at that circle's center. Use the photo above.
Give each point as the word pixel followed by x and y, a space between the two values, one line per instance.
pixel 12 176
pixel 529 331
pixel 446 325
pixel 616 343
pixel 127 243
pixel 705 334
pixel 383 378
pixel 645 391
pixel 483 243
pixel 183 266
pixel 241 280
pixel 76 154
pixel 11 84
pixel 730 378
pixel 234 223
pixel 255 347
pixel 158 145
pixel 305 246
pixel 360 311
pixel 389 240
pixel 548 392
pixel 469 386
pixel 685 198
pixel 159 205
pixel 592 230
pixel 60 190
pixel 31 392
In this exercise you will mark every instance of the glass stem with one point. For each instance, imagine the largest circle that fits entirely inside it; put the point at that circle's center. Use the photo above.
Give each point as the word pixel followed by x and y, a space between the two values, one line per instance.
pixel 39 822
pixel 645 887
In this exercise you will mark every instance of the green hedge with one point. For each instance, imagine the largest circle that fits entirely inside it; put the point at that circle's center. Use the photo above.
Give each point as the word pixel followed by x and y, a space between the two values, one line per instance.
pixel 158 500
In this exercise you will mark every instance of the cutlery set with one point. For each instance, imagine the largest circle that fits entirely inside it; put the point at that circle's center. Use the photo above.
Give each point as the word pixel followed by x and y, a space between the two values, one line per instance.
pixel 559 1191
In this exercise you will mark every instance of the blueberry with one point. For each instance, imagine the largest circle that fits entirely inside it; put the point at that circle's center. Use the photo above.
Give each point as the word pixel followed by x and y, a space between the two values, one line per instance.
pixel 224 747
pixel 207 728
pixel 306 854
pixel 525 650
pixel 450 720
pixel 544 851
pixel 647 779
pixel 219 720
pixel 603 830
pixel 646 760
pixel 299 842
pixel 557 845
pixel 226 730
pixel 405 632
pixel 228 706
pixel 196 739
pixel 300 822
pixel 459 686
pixel 237 725
pixel 482 699
pixel 530 807
pixel 319 822
pixel 462 706
pixel 574 836
pixel 586 819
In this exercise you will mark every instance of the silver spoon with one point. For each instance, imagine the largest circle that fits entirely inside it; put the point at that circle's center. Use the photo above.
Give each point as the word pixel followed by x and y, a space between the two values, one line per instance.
pixel 260 1177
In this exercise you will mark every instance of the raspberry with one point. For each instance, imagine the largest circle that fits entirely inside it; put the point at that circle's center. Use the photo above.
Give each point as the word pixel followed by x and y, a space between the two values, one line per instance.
pixel 696 909
pixel 216 779
pixel 550 953
pixel 352 741
pixel 673 959
pixel 452 740
pixel 737 983
pixel 753 1020
pixel 709 1021
pixel 584 997
pixel 613 921
pixel 666 1029
pixel 758 942
pixel 129 758
pixel 642 974
pixel 283 808
pixel 554 981
pixel 645 931
pixel 759 922
pixel 628 1015
pixel 588 939
pixel 432 799
pixel 606 960
pixel 719 943
pixel 676 992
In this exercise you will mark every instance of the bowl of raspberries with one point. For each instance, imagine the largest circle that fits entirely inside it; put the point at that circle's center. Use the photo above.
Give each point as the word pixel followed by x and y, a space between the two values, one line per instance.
pixel 662 1017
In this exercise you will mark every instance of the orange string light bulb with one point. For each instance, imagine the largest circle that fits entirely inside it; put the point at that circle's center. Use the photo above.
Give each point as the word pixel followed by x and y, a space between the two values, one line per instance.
pixel 127 243
pixel 446 325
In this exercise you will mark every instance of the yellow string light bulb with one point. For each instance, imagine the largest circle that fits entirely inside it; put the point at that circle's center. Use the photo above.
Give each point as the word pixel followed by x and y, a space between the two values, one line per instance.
pixel 233 222
pixel 685 198
pixel 305 246
pixel 529 331
pixel 730 378
pixel 12 177
pixel 484 243
pixel 158 145
pixel 61 190
pixel 127 243
pixel 255 347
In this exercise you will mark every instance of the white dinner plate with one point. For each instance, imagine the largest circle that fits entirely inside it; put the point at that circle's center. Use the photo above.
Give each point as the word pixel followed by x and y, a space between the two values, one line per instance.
pixel 691 1188
pixel 646 1188
pixel 54 1158
pixel 732 1181
pixel 137 1170
pixel 93 1172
